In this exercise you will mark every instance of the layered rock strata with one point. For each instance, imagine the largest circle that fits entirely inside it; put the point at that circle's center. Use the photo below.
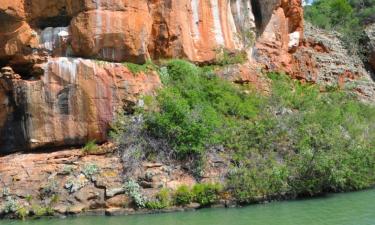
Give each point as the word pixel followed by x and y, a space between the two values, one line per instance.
pixel 70 182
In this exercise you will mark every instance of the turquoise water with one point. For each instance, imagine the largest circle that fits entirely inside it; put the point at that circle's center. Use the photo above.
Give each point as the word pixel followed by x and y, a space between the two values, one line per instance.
pixel 338 209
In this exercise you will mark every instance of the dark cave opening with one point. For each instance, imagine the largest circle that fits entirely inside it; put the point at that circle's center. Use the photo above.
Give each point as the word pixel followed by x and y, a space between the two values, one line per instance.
pixel 257 12
pixel 24 70
pixel 57 21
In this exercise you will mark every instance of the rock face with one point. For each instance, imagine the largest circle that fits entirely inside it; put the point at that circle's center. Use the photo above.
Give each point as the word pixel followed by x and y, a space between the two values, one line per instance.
pixel 322 59
pixel 87 182
pixel 124 30
pixel 54 94
pixel 73 102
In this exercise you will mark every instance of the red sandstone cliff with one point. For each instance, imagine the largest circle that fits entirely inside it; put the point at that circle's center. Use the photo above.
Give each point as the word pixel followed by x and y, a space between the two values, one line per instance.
pixel 62 81
pixel 54 98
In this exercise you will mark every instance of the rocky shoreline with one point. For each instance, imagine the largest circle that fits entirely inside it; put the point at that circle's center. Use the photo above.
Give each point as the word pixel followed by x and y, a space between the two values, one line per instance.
pixel 73 182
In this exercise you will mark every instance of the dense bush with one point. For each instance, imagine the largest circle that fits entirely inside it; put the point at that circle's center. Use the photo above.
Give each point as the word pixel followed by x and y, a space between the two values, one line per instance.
pixel 193 108
pixel 183 196
pixel 306 143
pixel 133 190
pixel 162 200
pixel 296 141
pixel 206 194
pixel 90 147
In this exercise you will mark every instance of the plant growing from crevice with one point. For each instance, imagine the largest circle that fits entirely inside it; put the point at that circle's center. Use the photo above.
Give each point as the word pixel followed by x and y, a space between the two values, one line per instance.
pixel 90 170
pixel 225 57
pixel 161 201
pixel 133 190
pixel 90 147
pixel 141 68
pixel 11 205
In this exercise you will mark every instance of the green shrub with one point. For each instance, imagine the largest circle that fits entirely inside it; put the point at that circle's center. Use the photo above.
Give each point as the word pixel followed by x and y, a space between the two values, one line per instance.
pixel 321 141
pixel 296 141
pixel 154 205
pixel 136 68
pixel 162 200
pixel 254 182
pixel 133 189
pixel 40 211
pixel 224 57
pixel 22 213
pixel 164 196
pixel 89 170
pixel 206 194
pixel 29 198
pixel 194 108
pixel 90 147
pixel 11 205
pixel 183 196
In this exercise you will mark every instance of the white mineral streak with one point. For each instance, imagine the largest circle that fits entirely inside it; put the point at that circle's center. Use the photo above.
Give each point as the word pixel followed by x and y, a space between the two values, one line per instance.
pixel 50 37
pixel 195 22
pixel 218 31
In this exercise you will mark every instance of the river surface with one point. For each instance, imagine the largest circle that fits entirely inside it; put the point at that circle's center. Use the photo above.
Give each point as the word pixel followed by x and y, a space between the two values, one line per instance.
pixel 337 209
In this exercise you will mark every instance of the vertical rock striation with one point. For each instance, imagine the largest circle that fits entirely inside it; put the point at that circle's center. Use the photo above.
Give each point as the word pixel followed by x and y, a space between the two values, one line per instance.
pixel 60 95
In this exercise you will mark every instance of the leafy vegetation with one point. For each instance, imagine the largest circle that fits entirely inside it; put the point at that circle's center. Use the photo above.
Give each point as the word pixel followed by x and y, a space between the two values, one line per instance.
pixel 133 189
pixel 90 170
pixel 206 194
pixel 224 57
pixel 194 107
pixel 183 196
pixel 345 16
pixel 40 211
pixel 137 68
pixel 295 141
pixel 162 200
pixel 306 143
pixel 11 205
pixel 90 147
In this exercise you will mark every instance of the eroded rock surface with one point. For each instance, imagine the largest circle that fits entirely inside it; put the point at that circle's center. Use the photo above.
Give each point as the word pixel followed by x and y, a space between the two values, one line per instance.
pixel 71 182
pixel 73 102
pixel 323 59
pixel 63 97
